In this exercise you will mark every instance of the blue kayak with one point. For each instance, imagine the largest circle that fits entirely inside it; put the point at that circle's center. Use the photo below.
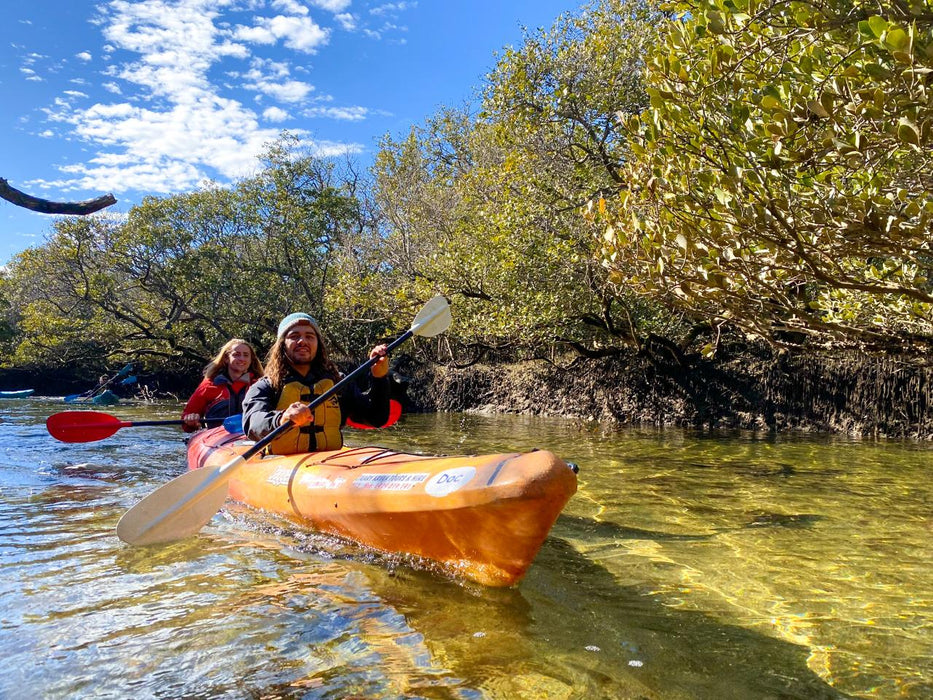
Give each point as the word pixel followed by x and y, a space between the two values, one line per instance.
pixel 21 394
pixel 105 398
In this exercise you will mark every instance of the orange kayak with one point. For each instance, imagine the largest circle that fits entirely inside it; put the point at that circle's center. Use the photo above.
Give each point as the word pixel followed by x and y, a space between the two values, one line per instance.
pixel 481 517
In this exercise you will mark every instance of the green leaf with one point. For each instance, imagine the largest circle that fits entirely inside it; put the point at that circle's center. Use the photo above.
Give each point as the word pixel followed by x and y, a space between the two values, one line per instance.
pixel 897 39
pixel 817 109
pixel 770 102
pixel 877 71
pixel 878 26
pixel 716 24
pixel 908 132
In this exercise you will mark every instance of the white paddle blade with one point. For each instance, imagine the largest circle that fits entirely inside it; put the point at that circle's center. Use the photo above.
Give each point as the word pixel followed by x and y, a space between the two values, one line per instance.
pixel 433 319
pixel 177 509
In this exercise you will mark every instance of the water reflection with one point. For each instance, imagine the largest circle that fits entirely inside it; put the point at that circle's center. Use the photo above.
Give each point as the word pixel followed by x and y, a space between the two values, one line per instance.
pixel 687 566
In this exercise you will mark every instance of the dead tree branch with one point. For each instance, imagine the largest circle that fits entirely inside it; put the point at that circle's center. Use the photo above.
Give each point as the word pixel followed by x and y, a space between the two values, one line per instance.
pixel 44 206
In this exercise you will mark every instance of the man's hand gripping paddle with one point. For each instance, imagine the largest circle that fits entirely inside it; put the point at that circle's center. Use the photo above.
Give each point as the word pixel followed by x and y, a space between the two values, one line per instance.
pixel 185 504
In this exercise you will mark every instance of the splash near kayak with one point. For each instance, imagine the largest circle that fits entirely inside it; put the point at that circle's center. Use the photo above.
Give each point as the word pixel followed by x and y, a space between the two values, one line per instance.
pixel 482 517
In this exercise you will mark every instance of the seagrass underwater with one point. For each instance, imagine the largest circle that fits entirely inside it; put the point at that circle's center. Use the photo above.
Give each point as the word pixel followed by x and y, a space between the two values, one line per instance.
pixel 700 564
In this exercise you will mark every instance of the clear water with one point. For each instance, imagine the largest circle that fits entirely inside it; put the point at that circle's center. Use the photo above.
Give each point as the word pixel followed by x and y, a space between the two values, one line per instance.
pixel 687 566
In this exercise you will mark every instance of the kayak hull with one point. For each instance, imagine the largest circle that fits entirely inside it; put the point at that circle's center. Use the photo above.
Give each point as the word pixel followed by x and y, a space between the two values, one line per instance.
pixel 105 398
pixel 21 394
pixel 483 518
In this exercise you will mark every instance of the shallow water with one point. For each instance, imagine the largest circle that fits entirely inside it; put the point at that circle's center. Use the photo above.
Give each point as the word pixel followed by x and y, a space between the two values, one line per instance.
pixel 686 566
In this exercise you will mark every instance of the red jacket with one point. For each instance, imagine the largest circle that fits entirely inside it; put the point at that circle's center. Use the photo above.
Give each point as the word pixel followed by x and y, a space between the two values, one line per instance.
pixel 218 398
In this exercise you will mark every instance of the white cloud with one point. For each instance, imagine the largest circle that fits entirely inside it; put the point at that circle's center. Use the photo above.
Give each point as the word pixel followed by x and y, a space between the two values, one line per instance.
pixel 270 68
pixel 164 152
pixel 352 114
pixel 289 91
pixel 346 20
pixel 298 33
pixel 255 35
pixel 273 78
pixel 290 6
pixel 233 50
pixel 84 56
pixel 275 114
pixel 332 5
pixel 392 8
pixel 176 129
pixel 330 149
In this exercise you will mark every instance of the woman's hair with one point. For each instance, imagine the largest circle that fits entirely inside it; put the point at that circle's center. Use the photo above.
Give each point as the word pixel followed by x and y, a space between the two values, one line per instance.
pixel 277 364
pixel 219 363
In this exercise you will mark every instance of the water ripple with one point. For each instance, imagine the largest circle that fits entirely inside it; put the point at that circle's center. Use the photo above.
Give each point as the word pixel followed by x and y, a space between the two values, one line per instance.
pixel 687 566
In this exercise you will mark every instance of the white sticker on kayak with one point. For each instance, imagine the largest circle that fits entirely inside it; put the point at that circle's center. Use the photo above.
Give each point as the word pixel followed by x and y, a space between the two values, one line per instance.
pixel 449 480
pixel 280 477
pixel 315 481
pixel 389 482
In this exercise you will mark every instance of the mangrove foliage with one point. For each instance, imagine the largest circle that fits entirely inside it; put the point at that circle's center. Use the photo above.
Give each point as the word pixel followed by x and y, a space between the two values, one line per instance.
pixel 640 177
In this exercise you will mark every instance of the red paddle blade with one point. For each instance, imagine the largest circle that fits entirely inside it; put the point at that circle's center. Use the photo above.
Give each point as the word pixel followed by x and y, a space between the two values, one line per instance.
pixel 82 426
pixel 395 411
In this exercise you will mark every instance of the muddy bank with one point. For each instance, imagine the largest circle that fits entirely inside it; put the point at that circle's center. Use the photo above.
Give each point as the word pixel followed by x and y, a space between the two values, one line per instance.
pixel 747 389
pixel 750 390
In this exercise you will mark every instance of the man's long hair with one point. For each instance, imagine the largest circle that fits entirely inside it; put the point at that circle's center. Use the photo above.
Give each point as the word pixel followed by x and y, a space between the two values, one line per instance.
pixel 278 366
pixel 220 363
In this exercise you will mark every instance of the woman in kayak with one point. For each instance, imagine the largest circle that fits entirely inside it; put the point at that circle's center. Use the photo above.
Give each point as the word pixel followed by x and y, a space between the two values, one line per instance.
pixel 226 378
pixel 297 370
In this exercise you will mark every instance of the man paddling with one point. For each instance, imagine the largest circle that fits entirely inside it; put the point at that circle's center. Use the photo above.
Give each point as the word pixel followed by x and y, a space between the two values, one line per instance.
pixel 297 369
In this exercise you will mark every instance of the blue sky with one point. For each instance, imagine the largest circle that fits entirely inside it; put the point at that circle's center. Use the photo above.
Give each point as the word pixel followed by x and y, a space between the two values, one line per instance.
pixel 152 97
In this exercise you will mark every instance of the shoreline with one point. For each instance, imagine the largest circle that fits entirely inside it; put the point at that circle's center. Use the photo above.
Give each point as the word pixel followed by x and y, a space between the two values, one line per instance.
pixel 858 396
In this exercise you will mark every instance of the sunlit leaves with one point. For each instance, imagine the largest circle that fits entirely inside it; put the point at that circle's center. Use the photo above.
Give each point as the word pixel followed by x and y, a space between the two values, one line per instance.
pixel 487 206
pixel 790 144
